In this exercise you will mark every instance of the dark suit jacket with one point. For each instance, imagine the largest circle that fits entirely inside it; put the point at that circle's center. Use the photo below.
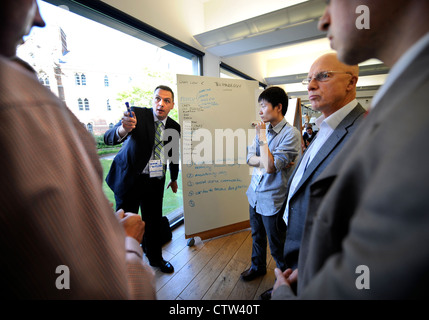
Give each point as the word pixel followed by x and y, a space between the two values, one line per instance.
pixel 370 206
pixel 137 149
pixel 298 204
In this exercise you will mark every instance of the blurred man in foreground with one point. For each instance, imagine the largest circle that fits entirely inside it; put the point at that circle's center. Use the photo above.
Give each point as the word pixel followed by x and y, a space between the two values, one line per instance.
pixel 370 208
pixel 59 236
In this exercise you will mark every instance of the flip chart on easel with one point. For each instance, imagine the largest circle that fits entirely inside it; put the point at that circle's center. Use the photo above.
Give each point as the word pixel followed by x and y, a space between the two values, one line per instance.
pixel 216 116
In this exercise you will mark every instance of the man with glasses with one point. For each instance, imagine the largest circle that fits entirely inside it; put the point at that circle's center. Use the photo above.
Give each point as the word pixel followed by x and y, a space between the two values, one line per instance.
pixel 333 93
pixel 370 205
pixel 331 88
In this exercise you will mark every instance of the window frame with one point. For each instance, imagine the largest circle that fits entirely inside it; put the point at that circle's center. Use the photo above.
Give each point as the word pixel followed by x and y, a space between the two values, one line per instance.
pixel 86 104
pixel 83 79
pixel 77 79
pixel 80 104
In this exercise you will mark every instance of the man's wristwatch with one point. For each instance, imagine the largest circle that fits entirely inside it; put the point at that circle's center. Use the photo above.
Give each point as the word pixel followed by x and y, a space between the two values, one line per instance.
pixel 262 142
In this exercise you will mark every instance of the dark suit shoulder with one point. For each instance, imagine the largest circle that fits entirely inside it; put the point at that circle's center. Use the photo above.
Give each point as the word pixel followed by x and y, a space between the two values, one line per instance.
pixel 352 120
pixel 140 111
pixel 357 113
pixel 351 123
pixel 172 124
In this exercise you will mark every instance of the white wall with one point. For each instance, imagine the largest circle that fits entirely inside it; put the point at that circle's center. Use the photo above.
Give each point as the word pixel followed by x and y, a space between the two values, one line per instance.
pixel 211 65
pixel 251 65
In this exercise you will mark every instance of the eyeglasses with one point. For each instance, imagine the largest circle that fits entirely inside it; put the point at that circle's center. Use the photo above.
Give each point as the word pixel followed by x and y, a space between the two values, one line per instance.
pixel 322 76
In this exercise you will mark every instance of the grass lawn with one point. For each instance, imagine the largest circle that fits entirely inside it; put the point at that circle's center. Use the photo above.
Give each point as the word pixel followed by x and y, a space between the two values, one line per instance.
pixel 172 201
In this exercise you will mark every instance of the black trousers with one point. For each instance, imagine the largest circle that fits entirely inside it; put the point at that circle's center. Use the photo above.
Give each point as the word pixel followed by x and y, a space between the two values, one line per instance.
pixel 263 227
pixel 146 193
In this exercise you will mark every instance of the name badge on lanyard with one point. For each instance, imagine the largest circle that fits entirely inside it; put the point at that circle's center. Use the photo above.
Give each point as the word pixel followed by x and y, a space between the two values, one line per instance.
pixel 156 168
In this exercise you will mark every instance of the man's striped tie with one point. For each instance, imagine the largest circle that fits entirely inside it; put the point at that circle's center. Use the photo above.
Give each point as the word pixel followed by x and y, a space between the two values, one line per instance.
pixel 157 150
pixel 158 141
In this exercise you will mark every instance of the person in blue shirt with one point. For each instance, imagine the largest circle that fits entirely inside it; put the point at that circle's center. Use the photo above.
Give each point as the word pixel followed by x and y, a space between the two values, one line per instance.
pixel 275 149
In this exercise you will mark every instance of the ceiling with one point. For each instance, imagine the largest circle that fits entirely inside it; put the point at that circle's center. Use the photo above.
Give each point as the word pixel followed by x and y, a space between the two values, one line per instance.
pixel 285 40
pixel 282 27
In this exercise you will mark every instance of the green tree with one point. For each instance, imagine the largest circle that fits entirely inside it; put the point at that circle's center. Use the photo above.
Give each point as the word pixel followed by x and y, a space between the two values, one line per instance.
pixel 141 95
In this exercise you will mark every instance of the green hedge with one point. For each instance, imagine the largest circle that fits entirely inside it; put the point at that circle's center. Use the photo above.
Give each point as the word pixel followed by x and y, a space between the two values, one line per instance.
pixel 103 148
pixel 101 145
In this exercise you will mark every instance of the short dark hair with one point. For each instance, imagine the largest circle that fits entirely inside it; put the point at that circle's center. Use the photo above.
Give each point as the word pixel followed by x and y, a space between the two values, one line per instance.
pixel 275 96
pixel 166 89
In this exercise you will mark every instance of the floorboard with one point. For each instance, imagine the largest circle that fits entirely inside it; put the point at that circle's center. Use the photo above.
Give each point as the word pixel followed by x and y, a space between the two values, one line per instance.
pixel 211 269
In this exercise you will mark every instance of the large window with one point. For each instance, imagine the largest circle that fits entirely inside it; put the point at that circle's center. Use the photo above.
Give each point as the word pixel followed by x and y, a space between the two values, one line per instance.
pixel 94 53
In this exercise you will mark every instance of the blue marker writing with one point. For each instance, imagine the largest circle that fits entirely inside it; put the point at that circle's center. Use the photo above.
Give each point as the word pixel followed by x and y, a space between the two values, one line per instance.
pixel 129 110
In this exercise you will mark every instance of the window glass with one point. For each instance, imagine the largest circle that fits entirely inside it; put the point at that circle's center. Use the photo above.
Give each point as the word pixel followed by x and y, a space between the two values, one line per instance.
pixel 90 63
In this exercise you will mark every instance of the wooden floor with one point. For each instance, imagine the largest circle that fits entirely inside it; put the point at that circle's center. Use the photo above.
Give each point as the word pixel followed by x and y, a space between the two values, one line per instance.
pixel 210 270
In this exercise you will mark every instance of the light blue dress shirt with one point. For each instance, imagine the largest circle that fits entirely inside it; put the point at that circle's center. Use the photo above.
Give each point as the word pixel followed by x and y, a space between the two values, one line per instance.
pixel 267 191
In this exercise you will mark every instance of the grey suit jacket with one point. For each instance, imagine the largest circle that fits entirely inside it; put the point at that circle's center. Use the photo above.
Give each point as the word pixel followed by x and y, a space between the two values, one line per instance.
pixel 370 207
pixel 298 203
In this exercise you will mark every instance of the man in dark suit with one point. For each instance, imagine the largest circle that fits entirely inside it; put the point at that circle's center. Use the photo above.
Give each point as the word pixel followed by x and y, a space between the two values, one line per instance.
pixel 308 135
pixel 334 95
pixel 137 174
pixel 368 216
